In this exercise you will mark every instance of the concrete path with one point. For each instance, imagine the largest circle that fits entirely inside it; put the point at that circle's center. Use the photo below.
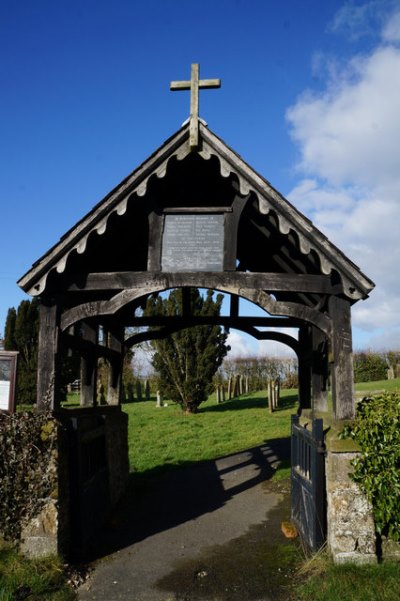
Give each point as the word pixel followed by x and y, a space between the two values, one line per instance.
pixel 208 532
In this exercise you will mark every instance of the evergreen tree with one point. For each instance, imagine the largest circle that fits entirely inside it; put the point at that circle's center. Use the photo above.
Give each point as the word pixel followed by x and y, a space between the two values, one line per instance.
pixel 9 330
pixel 21 334
pixel 187 360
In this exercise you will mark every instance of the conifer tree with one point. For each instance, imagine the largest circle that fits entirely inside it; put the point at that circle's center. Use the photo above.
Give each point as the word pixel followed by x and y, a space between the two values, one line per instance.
pixel 21 334
pixel 187 360
pixel 9 330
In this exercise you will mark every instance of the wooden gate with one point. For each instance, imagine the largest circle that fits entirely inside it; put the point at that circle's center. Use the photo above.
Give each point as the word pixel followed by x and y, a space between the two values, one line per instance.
pixel 89 479
pixel 308 482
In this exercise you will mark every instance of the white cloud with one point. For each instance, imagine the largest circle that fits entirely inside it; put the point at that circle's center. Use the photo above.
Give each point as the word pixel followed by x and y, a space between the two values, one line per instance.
pixel 357 21
pixel 391 31
pixel 350 133
pixel 349 142
pixel 241 345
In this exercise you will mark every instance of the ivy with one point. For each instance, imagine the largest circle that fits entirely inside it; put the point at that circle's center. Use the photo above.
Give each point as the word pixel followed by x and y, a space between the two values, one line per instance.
pixel 377 471
pixel 28 452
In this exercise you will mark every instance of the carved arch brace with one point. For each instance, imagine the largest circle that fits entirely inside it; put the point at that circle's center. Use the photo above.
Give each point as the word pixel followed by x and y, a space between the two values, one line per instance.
pixel 259 297
pixel 166 331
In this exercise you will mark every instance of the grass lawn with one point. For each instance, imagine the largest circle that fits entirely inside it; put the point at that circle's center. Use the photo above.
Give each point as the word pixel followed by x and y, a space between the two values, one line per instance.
pixel 320 580
pixel 165 437
pixel 36 580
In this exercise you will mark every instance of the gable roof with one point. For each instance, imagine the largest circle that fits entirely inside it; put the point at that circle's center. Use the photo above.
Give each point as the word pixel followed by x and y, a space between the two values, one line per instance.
pixel 356 285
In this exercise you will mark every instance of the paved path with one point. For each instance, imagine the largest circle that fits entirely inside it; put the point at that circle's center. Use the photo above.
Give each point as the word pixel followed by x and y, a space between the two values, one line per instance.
pixel 206 533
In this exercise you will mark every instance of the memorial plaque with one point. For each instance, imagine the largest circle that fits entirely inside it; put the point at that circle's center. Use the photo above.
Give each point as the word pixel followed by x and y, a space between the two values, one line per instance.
pixel 8 369
pixel 193 243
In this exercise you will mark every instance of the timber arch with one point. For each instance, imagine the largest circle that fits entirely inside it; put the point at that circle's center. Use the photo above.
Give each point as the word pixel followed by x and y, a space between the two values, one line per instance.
pixel 197 216
pixel 194 214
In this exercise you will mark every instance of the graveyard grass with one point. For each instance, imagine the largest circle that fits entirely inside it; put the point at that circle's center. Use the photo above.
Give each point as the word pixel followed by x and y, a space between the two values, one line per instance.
pixel 161 438
pixel 41 579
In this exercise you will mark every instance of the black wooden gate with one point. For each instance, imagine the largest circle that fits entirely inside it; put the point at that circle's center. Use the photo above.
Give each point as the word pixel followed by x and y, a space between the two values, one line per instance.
pixel 308 482
pixel 89 478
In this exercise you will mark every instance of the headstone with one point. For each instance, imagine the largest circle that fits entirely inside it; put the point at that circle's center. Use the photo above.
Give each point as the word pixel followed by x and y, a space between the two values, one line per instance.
pixel 230 388
pixel 390 373
pixel 218 393
pixel 139 390
pixel 223 393
pixel 159 399
pixel 147 390
pixel 236 390
pixel 273 388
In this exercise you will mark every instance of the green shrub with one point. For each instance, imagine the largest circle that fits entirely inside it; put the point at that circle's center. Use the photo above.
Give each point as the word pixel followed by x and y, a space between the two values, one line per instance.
pixel 377 431
pixel 369 366
pixel 28 447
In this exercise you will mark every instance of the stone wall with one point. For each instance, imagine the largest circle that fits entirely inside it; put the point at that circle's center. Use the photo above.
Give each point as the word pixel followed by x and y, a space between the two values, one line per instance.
pixel 55 529
pixel 351 534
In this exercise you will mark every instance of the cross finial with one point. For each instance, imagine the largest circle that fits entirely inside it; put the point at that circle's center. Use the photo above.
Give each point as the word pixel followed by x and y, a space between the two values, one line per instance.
pixel 194 85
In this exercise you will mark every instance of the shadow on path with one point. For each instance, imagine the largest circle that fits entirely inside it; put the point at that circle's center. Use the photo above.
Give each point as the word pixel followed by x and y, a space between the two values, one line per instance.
pixel 156 503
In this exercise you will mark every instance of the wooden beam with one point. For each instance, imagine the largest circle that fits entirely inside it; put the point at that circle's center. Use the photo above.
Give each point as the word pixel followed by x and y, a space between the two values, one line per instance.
pixel 83 345
pixel 115 342
pixel 222 320
pixel 167 330
pixel 305 367
pixel 341 359
pixel 89 365
pixel 319 370
pixel 272 282
pixel 48 371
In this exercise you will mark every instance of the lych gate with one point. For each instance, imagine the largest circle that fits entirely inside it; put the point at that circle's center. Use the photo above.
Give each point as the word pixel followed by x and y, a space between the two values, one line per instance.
pixel 194 214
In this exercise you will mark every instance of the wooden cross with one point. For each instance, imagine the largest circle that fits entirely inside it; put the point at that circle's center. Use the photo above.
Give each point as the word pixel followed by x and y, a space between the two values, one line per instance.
pixel 194 85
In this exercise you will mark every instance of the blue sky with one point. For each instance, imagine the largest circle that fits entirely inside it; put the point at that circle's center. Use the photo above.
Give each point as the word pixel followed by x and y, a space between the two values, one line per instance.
pixel 310 98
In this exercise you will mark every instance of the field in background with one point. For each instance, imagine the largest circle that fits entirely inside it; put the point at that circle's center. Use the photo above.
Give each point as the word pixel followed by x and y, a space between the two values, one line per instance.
pixel 161 437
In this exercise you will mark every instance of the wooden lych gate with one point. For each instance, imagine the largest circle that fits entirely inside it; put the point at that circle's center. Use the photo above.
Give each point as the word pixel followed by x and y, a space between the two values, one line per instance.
pixel 195 214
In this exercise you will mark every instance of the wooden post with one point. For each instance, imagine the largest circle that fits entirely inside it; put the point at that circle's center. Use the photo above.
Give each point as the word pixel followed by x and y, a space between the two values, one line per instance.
pixel 319 371
pixel 115 338
pixel 89 365
pixel 305 344
pixel 48 372
pixel 341 359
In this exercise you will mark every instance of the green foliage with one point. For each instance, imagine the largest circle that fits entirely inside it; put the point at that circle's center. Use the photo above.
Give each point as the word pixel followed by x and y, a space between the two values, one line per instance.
pixel 21 334
pixel 377 431
pixel 168 438
pixel 369 366
pixel 9 330
pixel 261 369
pixel 322 580
pixel 187 360
pixel 27 468
pixel 32 579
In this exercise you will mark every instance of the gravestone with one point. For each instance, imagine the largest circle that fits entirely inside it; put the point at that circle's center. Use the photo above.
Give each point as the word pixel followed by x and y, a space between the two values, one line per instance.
pixel 159 399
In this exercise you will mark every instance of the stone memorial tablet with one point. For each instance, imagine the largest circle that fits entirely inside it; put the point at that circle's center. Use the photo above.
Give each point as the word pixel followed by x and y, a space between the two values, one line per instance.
pixel 193 243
